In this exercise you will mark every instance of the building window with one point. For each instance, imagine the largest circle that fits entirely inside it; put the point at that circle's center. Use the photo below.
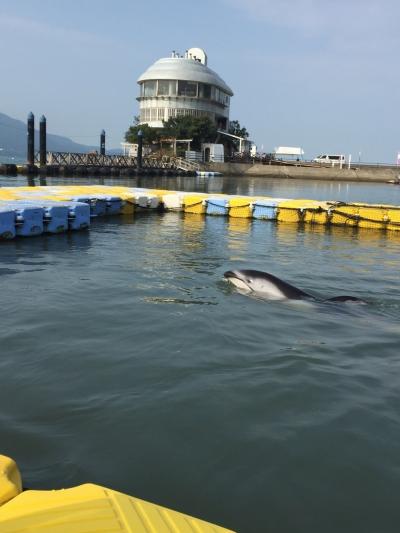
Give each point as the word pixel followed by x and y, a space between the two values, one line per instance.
pixel 166 88
pixel 145 115
pixel 187 88
pixel 204 91
pixel 149 88
pixel 223 97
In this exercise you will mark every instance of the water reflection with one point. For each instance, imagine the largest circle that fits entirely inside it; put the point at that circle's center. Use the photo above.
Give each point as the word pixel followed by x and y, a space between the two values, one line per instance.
pixel 35 246
pixel 34 181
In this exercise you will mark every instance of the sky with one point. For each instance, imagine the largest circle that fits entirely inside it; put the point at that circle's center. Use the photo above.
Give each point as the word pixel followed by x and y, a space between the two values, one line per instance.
pixel 319 74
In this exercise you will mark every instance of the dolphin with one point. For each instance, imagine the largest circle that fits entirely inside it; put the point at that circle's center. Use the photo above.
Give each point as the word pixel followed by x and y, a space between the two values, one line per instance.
pixel 270 287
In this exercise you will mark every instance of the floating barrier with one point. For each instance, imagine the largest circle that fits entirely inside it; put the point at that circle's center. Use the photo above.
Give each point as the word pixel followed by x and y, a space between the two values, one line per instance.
pixel 265 209
pixel 241 207
pixel 55 216
pixel 30 211
pixel 173 201
pixel 113 204
pixel 148 201
pixel 7 223
pixel 194 203
pixel 86 508
pixel 217 206
pixel 28 218
pixel 318 214
pixel 205 174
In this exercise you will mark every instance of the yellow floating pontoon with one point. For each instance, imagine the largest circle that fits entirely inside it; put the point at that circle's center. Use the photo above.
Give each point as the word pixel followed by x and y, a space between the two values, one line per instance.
pixel 85 509
pixel 124 200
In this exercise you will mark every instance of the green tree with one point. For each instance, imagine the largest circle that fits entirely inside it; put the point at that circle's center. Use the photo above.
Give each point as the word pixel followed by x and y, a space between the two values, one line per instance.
pixel 150 135
pixel 236 129
pixel 200 129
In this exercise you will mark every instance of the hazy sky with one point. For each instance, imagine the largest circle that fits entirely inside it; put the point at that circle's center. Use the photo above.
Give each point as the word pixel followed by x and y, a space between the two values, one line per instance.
pixel 319 74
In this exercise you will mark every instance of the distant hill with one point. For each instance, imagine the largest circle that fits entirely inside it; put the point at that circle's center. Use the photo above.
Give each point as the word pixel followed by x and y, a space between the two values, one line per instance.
pixel 13 140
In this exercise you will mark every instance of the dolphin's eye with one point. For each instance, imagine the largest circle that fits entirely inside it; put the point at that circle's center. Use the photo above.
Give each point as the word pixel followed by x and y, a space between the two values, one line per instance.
pixel 249 280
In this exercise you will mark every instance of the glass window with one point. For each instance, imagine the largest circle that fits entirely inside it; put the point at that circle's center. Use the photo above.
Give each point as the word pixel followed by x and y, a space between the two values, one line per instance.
pixel 145 115
pixel 204 91
pixel 163 88
pixel 172 87
pixel 149 88
pixel 166 88
pixel 187 88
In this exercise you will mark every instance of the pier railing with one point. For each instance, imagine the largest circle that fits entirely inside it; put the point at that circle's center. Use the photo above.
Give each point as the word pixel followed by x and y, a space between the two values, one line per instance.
pixel 184 164
pixel 100 160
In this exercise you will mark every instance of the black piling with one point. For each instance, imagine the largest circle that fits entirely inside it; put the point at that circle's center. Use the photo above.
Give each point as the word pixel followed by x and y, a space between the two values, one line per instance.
pixel 103 142
pixel 42 142
pixel 140 150
pixel 31 140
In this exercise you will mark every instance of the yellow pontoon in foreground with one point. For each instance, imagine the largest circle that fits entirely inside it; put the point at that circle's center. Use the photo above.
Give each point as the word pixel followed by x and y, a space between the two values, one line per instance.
pixel 85 509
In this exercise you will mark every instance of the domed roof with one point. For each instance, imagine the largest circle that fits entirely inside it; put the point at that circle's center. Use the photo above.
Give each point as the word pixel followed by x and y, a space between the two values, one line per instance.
pixel 181 68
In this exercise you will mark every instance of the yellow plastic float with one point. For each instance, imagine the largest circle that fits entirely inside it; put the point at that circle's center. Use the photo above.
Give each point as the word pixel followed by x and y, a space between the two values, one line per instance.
pixel 194 203
pixel 85 509
pixel 241 207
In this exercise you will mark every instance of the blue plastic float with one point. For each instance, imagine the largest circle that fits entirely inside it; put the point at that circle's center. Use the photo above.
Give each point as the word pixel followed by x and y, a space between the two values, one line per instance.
pixel 265 209
pixel 28 218
pixel 217 206
pixel 7 223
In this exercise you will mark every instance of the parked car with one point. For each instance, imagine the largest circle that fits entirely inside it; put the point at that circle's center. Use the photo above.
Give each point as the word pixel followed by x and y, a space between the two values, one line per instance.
pixel 330 158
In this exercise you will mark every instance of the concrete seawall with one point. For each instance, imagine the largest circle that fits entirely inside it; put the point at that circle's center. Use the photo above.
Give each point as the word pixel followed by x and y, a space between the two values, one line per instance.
pixel 377 174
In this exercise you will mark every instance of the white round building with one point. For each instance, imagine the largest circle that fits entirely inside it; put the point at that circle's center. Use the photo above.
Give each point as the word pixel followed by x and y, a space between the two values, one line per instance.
pixel 183 86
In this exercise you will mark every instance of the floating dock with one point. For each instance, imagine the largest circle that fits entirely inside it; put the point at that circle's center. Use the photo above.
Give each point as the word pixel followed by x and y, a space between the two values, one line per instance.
pixel 29 211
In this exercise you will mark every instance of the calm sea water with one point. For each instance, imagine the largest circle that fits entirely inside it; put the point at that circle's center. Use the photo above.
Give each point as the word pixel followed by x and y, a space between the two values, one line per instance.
pixel 126 360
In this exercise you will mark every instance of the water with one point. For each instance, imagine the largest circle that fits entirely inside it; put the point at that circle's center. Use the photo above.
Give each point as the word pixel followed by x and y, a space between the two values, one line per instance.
pixel 129 362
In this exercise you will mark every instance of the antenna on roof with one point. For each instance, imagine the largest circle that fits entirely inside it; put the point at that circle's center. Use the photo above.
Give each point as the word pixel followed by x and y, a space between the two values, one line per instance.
pixel 199 55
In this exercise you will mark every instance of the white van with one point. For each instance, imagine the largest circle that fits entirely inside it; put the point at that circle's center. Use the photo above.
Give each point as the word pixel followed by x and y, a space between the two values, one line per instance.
pixel 332 159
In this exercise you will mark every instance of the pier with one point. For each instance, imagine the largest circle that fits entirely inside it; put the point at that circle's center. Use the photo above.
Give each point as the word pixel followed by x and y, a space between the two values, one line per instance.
pixel 50 163
pixel 363 172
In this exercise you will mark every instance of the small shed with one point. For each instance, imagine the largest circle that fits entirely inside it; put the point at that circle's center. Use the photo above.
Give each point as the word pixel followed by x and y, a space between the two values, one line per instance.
pixel 213 152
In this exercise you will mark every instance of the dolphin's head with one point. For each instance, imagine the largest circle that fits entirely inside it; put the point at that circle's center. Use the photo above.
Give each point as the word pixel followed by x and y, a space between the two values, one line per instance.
pixel 261 283
pixel 239 279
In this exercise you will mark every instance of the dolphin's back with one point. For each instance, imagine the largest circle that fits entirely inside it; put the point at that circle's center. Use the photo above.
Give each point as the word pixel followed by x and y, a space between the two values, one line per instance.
pixel 346 299
pixel 289 291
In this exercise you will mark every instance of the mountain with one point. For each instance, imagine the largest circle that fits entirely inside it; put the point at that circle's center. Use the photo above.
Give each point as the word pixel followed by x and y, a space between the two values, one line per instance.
pixel 13 140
